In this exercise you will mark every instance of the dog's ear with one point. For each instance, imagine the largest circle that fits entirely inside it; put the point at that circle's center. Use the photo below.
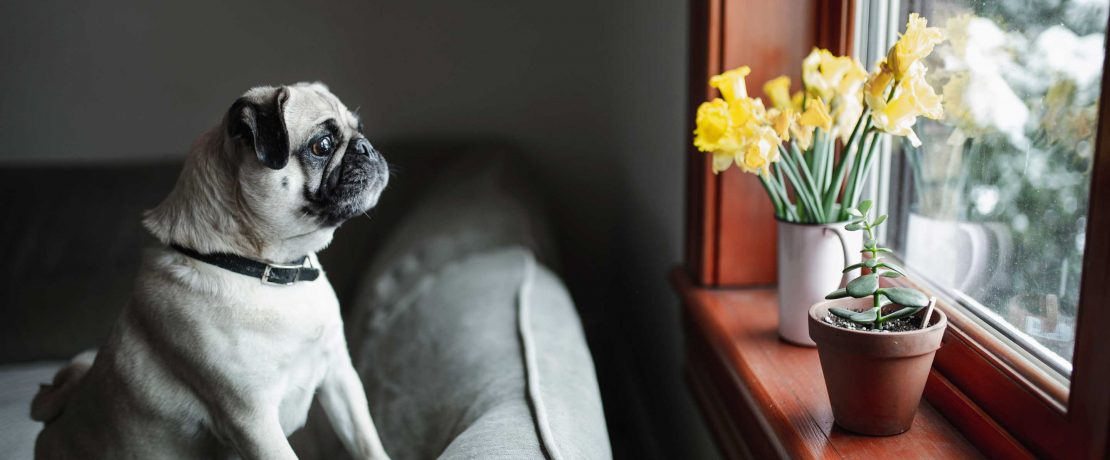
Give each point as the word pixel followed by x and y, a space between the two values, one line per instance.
pixel 260 122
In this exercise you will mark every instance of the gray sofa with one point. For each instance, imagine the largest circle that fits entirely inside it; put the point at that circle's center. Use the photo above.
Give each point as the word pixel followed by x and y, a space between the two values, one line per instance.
pixel 468 343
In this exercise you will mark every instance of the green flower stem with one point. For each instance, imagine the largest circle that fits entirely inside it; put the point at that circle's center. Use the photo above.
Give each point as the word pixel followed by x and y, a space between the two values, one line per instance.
pixel 872 155
pixel 826 181
pixel 819 214
pixel 808 206
pixel 780 186
pixel 775 200
pixel 848 157
pixel 870 139
pixel 789 170
pixel 865 122
pixel 817 159
pixel 863 166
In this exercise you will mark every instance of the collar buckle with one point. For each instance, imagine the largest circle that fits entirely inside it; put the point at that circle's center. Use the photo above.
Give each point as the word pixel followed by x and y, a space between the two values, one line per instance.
pixel 269 275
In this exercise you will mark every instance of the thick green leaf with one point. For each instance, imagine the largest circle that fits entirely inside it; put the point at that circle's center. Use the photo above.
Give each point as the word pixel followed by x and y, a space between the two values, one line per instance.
pixel 879 221
pixel 891 274
pixel 852 227
pixel 864 206
pixel 870 243
pixel 905 297
pixel 870 263
pixel 887 250
pixel 893 268
pixel 855 212
pixel 863 286
pixel 863 317
pixel 903 312
pixel 837 294
pixel 851 267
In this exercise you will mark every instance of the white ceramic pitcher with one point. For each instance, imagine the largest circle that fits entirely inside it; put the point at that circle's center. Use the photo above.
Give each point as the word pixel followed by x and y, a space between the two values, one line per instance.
pixel 810 260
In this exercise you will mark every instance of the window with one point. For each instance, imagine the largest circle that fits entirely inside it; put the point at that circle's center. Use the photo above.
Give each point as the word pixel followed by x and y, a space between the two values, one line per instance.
pixel 992 208
pixel 992 212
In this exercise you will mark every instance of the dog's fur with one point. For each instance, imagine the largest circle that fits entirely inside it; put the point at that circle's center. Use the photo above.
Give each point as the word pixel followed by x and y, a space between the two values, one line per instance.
pixel 208 363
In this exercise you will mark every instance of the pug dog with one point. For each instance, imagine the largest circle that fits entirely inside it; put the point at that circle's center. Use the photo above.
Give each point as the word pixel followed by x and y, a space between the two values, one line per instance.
pixel 233 328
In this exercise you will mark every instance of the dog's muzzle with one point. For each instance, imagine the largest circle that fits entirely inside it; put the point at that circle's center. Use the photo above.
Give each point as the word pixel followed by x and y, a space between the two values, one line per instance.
pixel 353 187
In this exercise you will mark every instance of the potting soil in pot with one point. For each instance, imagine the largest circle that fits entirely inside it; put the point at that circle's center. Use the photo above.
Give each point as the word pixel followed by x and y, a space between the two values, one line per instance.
pixel 911 323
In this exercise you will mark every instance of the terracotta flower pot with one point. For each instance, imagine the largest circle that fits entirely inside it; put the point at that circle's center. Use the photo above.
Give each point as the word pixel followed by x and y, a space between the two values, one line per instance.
pixel 874 379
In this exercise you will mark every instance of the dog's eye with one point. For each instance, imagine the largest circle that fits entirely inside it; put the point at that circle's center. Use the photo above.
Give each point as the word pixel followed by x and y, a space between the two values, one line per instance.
pixel 323 146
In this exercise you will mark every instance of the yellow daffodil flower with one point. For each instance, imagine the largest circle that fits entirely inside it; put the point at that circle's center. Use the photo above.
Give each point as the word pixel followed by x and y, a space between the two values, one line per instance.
pixel 811 72
pixel 847 104
pixel 746 111
pixel 722 160
pixel 715 131
pixel 797 100
pixel 737 132
pixel 853 77
pixel 875 90
pixel 828 76
pixel 848 111
pixel 802 136
pixel 816 115
pixel 760 151
pixel 913 97
pixel 731 84
pixel 913 46
pixel 738 129
pixel 778 91
pixel 781 121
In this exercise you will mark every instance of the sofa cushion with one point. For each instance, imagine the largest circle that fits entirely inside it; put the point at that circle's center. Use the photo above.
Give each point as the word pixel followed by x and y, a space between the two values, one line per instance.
pixel 436 328
pixel 473 203
pixel 469 366
pixel 20 382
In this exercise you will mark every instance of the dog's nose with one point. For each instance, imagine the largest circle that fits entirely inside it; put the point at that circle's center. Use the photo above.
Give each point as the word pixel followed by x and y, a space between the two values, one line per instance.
pixel 363 147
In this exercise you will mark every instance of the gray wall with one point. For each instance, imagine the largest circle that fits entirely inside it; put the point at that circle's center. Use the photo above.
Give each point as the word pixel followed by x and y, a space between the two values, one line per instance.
pixel 592 91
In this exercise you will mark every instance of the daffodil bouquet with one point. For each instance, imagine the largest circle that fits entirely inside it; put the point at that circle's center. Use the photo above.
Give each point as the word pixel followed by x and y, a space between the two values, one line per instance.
pixel 792 146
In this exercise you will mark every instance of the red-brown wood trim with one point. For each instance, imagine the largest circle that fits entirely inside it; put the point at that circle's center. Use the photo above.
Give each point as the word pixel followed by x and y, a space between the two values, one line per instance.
pixel 1089 402
pixel 701 188
pixel 993 440
pixel 740 431
pixel 1014 402
pixel 836 26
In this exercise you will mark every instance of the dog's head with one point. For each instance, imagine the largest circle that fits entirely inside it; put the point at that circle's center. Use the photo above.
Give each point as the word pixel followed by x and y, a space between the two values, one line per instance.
pixel 305 162
pixel 284 169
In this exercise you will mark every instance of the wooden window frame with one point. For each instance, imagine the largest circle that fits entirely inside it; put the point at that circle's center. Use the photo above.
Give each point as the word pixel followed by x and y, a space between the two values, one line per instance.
pixel 1001 406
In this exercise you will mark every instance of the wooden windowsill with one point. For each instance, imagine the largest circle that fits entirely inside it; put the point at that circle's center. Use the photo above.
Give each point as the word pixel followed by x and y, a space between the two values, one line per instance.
pixel 764 398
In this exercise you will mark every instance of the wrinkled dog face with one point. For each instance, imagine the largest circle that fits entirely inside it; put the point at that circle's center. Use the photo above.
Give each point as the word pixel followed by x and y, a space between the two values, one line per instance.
pixel 312 167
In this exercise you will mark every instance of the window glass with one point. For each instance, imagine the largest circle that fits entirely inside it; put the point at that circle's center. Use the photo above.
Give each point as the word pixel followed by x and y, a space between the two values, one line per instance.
pixel 993 206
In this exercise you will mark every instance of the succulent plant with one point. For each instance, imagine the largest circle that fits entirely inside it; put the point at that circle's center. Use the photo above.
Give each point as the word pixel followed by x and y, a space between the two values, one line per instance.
pixel 910 300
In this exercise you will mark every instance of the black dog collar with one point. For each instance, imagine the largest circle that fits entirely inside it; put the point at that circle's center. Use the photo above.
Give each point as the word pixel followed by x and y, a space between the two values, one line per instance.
pixel 278 274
